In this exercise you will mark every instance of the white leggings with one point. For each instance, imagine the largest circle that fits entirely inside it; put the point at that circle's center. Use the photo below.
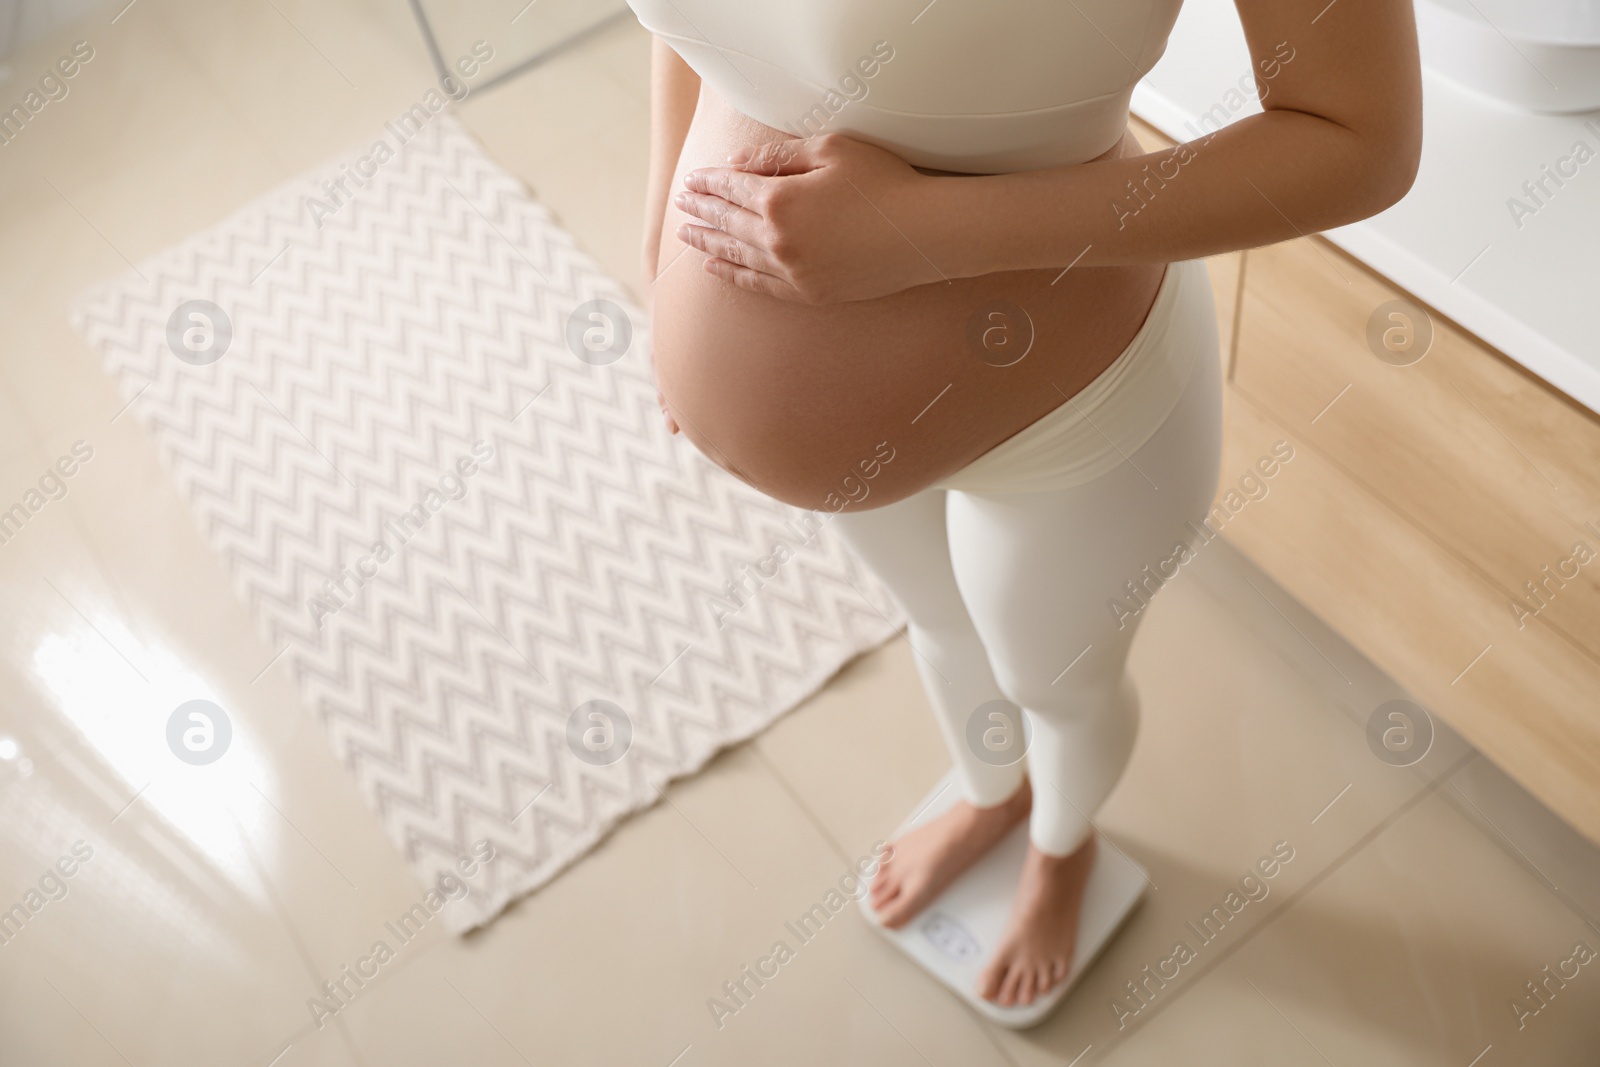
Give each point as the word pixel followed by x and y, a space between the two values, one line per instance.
pixel 1031 599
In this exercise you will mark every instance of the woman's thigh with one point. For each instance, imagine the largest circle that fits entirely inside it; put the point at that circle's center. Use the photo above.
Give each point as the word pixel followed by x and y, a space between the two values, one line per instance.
pixel 1056 580
pixel 906 545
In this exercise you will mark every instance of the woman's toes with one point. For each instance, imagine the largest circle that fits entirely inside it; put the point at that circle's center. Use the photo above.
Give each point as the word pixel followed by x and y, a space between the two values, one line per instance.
pixel 1043 982
pixel 989 981
pixel 1012 982
pixel 1033 988
pixel 1008 988
pixel 898 910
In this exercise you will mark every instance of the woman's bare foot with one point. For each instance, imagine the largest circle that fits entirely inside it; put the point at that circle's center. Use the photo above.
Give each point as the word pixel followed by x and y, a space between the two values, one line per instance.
pixel 1036 949
pixel 927 859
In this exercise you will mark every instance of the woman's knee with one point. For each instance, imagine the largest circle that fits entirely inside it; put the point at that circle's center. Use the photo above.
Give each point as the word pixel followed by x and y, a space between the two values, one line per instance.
pixel 1067 683
pixel 1037 693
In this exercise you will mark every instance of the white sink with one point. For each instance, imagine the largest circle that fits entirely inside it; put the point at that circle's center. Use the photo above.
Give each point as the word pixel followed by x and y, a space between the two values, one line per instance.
pixel 1542 55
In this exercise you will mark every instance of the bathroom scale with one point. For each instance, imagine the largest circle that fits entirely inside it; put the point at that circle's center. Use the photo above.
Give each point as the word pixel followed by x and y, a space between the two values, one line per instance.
pixel 957 932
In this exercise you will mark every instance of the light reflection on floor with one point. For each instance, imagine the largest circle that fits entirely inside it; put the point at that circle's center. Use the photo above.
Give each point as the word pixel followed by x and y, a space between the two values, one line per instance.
pixel 118 692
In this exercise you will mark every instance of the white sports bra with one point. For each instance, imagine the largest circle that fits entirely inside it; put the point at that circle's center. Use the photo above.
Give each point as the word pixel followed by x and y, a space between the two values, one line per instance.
pixel 961 85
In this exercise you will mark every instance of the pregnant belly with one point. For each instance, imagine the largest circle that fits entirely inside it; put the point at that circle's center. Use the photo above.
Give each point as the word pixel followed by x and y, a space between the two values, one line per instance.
pixel 861 404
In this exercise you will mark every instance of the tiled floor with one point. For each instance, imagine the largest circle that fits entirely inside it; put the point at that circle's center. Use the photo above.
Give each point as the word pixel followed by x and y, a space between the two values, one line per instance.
pixel 1418 903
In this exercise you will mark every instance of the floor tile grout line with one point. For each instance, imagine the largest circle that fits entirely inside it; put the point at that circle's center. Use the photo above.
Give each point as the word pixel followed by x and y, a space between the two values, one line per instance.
pixel 296 936
pixel 1299 631
pixel 839 851
pixel 1429 788
pixel 892 1026
pixel 990 1030
pixel 1303 1036
pixel 1302 669
pixel 1503 836
pixel 86 1019
pixel 662 794
pixel 381 980
pixel 349 1042
pixel 1500 841
pixel 984 1025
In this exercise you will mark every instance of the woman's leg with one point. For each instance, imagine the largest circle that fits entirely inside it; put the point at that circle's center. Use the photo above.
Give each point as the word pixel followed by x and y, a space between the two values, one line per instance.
pixel 905 544
pixel 1043 575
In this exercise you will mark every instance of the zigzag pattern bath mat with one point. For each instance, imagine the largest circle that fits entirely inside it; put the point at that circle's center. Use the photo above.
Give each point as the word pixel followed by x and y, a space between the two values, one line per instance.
pixel 392 393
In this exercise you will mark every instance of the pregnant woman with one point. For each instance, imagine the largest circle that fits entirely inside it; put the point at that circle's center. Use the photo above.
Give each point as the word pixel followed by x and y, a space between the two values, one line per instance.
pixel 911 268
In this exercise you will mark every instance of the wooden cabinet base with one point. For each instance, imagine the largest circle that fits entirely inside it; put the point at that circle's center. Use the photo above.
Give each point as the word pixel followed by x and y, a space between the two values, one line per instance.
pixel 1422 510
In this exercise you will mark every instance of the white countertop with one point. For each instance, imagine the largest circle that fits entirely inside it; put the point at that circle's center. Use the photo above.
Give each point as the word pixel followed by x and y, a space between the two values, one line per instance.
pixel 1532 292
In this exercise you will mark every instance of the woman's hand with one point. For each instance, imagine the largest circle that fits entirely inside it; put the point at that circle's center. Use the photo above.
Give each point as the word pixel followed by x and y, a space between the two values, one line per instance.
pixel 822 220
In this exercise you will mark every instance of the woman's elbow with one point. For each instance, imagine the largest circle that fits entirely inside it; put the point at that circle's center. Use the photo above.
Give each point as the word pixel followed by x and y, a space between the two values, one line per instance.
pixel 1369 183
pixel 1386 169
pixel 1357 170
pixel 1397 170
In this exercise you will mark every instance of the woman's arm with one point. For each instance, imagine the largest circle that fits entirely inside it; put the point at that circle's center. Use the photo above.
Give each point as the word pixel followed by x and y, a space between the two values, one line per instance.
pixel 674 89
pixel 1338 140
pixel 831 219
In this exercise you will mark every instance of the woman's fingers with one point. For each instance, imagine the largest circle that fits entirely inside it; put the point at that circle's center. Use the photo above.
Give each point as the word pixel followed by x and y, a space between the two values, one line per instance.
pixel 738 187
pixel 672 423
pixel 794 156
pixel 722 245
pixel 715 211
pixel 753 280
pixel 733 235
pixel 743 265
pixel 744 227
